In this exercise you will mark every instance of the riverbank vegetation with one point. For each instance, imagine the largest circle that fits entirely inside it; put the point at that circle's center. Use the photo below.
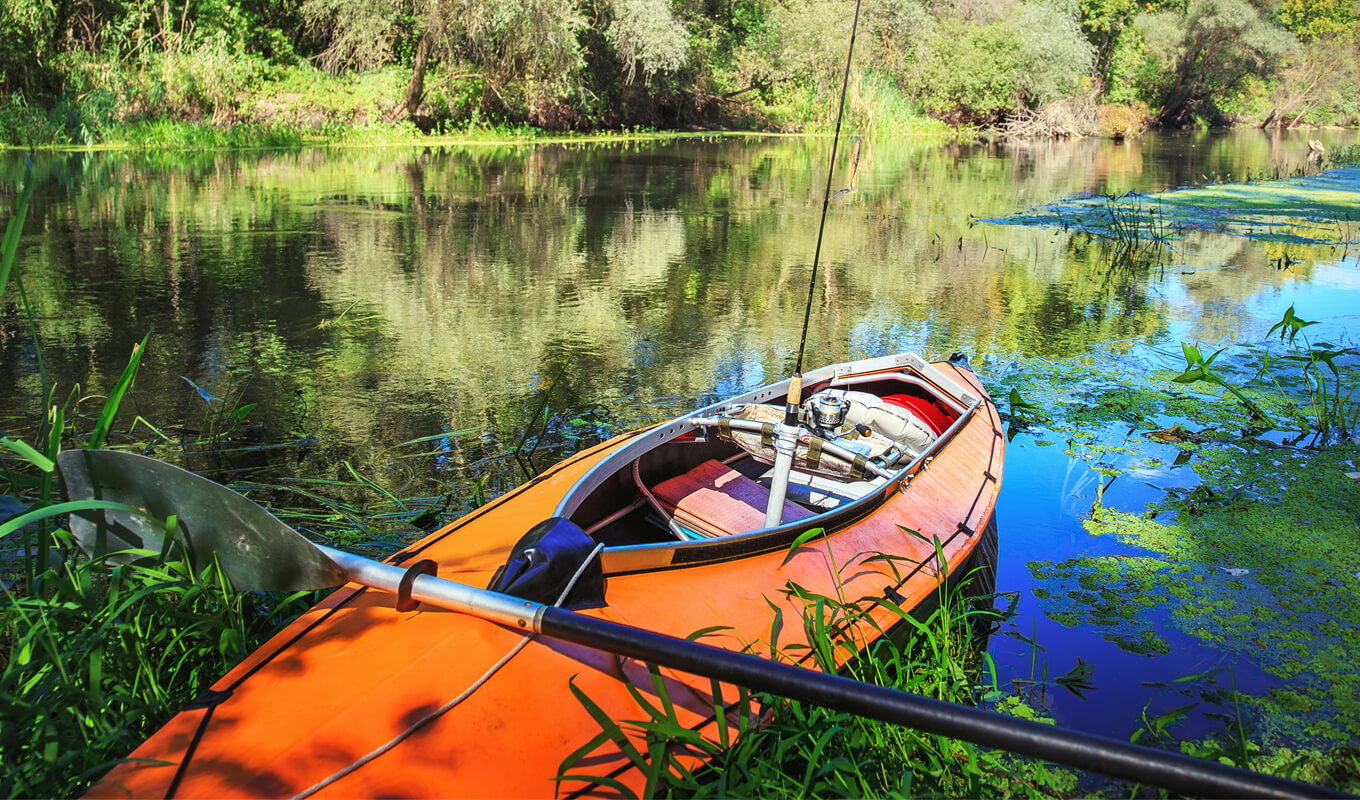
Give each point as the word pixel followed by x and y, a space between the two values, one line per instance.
pixel 143 73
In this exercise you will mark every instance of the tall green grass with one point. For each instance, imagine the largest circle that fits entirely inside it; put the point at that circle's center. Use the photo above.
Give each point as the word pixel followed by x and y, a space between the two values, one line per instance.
pixel 881 108
pixel 104 654
pixel 766 746
pixel 94 656
pixel 1347 154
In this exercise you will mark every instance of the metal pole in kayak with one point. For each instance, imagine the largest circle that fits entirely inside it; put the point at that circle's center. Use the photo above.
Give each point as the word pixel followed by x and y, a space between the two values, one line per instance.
pixel 786 435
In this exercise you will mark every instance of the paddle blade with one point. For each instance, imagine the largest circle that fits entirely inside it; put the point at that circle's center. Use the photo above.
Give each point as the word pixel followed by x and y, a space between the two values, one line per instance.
pixel 256 551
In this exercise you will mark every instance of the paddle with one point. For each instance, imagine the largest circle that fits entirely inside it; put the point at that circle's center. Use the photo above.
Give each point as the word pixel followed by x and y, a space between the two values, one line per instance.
pixel 257 551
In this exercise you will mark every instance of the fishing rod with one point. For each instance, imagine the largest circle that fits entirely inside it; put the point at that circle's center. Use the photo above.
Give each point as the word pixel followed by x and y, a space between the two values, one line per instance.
pixel 786 434
pixel 826 198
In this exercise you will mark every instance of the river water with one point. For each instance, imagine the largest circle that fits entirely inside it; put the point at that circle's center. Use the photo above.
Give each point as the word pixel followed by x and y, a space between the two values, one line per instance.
pixel 412 315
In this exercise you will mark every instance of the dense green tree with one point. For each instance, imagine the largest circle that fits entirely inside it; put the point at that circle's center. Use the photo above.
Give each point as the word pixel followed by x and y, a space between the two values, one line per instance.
pixel 1208 52
pixel 1323 76
pixel 28 30
pixel 1054 55
pixel 71 69
pixel 976 77
pixel 983 71
pixel 1104 22
pixel 530 44
pixel 899 34
pixel 802 42
pixel 646 35
pixel 528 53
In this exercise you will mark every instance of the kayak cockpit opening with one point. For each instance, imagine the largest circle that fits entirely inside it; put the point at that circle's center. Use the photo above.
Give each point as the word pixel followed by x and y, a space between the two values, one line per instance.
pixel 712 475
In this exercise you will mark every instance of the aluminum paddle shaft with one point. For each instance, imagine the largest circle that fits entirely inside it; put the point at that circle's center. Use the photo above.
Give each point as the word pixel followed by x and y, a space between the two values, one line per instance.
pixel 1183 774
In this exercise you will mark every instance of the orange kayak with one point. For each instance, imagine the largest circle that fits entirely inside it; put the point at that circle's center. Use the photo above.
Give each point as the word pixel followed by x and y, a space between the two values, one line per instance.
pixel 689 525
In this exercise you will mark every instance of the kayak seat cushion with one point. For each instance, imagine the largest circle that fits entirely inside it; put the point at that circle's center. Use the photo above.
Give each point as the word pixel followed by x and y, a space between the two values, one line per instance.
pixel 715 500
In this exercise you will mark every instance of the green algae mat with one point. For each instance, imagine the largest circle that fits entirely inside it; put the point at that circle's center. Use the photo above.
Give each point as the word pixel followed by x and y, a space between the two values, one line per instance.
pixel 1253 548
pixel 1313 209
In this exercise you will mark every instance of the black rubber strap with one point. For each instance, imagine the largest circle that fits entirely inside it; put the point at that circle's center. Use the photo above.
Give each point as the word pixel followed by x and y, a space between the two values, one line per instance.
pixel 404 600
pixel 814 452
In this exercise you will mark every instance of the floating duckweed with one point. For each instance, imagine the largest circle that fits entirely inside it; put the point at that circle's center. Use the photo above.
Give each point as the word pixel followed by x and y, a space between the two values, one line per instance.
pixel 1282 518
pixel 1295 211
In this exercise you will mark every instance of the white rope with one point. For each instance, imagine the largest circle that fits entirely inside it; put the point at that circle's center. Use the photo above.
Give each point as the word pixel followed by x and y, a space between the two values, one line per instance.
pixel 486 676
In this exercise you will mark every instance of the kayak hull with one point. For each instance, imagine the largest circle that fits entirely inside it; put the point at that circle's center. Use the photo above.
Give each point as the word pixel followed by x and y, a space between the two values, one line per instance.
pixel 302 714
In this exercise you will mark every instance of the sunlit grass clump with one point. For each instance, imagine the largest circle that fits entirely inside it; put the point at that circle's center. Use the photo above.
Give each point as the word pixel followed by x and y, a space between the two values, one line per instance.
pixel 767 746
pixel 97 656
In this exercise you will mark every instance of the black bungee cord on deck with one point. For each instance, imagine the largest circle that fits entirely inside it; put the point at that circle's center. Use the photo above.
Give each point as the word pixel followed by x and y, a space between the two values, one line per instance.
pixel 796 383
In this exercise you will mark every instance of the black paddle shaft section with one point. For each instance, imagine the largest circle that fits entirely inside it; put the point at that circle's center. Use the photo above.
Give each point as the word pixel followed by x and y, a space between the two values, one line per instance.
pixel 1188 776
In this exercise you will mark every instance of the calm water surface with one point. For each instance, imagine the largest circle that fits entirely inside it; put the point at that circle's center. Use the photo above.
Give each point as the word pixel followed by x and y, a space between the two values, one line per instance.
pixel 409 313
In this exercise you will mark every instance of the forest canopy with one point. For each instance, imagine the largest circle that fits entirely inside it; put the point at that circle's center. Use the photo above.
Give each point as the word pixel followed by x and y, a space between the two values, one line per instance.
pixel 80 70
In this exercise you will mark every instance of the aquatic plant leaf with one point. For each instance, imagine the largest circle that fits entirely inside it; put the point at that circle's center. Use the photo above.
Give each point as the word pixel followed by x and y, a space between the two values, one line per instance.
pixel 1196 677
pixel 28 453
pixel 10 243
pixel 203 393
pixel 1160 724
pixel 1289 325
pixel 1078 679
pixel 1018 403
pixel 110 409
pixel 241 412
pixel 803 538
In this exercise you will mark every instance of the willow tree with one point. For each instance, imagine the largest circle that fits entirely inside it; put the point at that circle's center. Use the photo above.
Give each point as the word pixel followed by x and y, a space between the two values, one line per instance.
pixel 1208 51
pixel 525 50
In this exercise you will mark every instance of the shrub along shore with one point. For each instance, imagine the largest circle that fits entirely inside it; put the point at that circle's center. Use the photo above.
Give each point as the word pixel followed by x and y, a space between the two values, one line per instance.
pixel 247 72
